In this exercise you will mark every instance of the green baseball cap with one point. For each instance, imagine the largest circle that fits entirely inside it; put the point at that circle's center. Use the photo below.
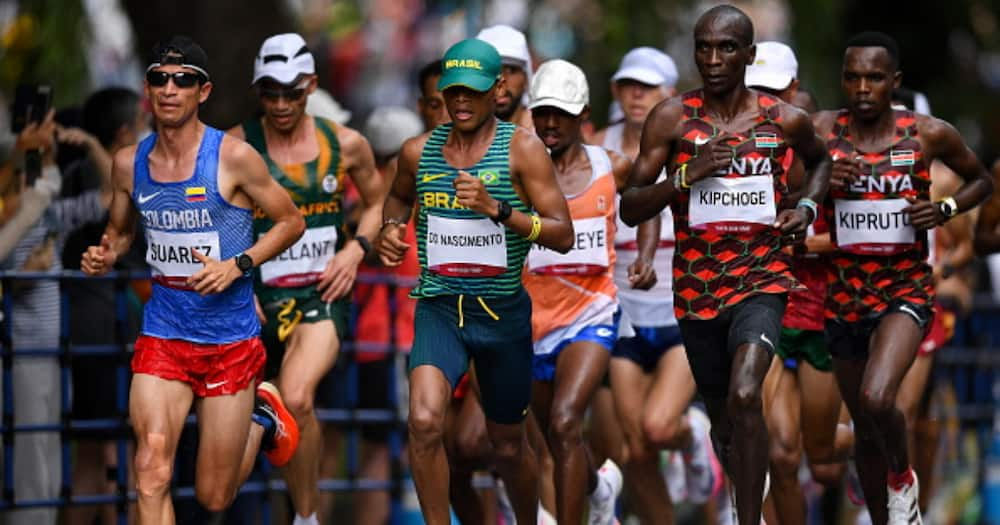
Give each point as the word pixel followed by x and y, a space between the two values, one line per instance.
pixel 472 63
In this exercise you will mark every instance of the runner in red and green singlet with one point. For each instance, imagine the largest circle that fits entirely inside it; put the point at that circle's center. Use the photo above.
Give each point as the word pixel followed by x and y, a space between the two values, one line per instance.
pixel 880 286
pixel 725 146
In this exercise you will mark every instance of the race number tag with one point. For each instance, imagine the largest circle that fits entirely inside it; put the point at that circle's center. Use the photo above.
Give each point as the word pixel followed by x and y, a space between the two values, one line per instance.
pixel 303 262
pixel 171 255
pixel 588 256
pixel 733 205
pixel 465 247
pixel 874 227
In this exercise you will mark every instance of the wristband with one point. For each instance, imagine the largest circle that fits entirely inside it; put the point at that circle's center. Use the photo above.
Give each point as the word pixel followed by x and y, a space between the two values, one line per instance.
pixel 810 205
pixel 680 177
pixel 396 222
pixel 536 228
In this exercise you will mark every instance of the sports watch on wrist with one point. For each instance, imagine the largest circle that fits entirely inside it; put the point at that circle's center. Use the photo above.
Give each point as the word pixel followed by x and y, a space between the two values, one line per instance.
pixel 366 245
pixel 503 212
pixel 245 264
pixel 948 207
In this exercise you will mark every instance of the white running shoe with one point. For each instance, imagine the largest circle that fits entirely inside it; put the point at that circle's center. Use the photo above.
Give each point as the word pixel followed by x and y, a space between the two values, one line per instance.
pixel 672 469
pixel 702 470
pixel 544 517
pixel 602 509
pixel 904 504
pixel 505 511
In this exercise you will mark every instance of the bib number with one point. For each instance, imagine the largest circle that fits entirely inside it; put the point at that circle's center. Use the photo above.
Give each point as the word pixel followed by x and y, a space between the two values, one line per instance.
pixel 733 205
pixel 171 255
pixel 465 247
pixel 588 256
pixel 303 262
pixel 873 227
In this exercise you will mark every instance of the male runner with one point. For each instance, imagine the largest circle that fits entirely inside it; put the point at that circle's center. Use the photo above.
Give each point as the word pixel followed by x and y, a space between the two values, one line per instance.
pixel 516 57
pixel 305 291
pixel 573 295
pixel 725 146
pixel 194 190
pixel 652 382
pixel 473 232
pixel 880 285
pixel 800 392
pixel 430 105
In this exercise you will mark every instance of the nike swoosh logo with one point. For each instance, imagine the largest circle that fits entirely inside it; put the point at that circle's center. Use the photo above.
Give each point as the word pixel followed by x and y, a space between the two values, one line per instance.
pixel 763 337
pixel 143 199
pixel 699 141
pixel 212 386
pixel 429 178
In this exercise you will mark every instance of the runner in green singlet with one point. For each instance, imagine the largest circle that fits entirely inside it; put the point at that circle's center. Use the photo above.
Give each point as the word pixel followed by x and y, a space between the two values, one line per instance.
pixel 474 227
pixel 305 292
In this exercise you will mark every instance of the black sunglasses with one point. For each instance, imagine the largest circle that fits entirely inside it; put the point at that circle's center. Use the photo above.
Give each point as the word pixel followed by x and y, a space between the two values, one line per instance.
pixel 182 79
pixel 274 93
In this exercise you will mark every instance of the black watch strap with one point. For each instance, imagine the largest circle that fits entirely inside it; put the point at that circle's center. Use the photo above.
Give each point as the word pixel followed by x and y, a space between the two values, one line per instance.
pixel 504 212
pixel 366 245
pixel 245 264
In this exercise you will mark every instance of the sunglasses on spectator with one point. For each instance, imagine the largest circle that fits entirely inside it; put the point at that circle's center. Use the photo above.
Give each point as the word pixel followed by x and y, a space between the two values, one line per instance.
pixel 182 79
pixel 294 94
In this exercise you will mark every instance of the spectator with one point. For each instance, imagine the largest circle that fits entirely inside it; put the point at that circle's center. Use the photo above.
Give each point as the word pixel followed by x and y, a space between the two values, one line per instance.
pixel 114 118
pixel 35 318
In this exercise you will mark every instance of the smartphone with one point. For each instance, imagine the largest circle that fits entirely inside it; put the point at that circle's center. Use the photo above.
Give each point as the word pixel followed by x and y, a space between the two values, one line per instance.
pixel 31 104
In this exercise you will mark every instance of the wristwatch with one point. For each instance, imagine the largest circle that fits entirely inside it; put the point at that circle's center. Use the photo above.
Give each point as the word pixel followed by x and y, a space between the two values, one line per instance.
pixel 948 207
pixel 366 245
pixel 245 264
pixel 503 212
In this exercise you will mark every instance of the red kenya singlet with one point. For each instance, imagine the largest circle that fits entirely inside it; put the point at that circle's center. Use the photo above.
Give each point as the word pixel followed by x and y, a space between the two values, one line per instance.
pixel 880 257
pixel 727 249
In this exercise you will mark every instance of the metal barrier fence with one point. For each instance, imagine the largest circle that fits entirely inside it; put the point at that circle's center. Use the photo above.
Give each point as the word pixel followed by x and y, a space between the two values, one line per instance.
pixel 970 365
pixel 260 481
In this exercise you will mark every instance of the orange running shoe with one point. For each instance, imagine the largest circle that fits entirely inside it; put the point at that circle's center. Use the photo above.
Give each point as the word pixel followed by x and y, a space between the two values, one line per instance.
pixel 286 432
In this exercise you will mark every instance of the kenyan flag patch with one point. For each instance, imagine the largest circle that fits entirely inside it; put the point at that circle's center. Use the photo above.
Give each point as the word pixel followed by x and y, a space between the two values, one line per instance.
pixel 765 140
pixel 902 157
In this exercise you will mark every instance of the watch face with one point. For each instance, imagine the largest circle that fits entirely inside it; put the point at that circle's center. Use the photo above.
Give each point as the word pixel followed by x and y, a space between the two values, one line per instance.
pixel 244 262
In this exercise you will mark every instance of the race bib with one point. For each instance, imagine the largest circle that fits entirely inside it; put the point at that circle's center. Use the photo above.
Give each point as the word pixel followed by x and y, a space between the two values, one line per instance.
pixel 303 262
pixel 874 227
pixel 733 205
pixel 171 255
pixel 465 247
pixel 588 256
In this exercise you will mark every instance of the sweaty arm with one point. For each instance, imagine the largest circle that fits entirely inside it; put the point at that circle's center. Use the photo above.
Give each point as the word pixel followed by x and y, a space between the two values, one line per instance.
pixel 942 142
pixel 644 198
pixel 250 175
pixel 801 137
pixel 987 238
pixel 122 217
pixel 371 186
pixel 531 164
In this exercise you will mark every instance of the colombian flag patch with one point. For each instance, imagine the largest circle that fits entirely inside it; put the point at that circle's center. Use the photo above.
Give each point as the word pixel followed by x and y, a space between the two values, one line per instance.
pixel 195 194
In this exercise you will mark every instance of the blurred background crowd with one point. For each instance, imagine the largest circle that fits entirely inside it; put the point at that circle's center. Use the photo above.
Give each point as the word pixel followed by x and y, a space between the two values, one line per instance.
pixel 369 53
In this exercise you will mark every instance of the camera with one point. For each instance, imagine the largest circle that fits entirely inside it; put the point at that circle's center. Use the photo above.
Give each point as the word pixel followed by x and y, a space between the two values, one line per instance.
pixel 31 103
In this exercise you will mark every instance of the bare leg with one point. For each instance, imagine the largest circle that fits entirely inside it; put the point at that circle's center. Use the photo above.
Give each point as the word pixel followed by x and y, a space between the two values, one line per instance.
pixel 372 506
pixel 783 410
pixel 646 488
pixel 310 352
pixel 157 408
pixel 430 394
pixel 224 439
pixel 748 453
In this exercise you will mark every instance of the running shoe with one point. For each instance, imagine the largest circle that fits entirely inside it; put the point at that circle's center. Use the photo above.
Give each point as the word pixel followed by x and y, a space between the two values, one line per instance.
pixel 282 443
pixel 672 469
pixel 702 470
pixel 602 510
pixel 904 506
pixel 852 483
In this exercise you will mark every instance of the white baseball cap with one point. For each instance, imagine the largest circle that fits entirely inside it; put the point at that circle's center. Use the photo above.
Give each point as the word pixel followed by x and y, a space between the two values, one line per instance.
pixel 283 58
pixel 388 127
pixel 775 67
pixel 649 66
pixel 560 84
pixel 511 44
